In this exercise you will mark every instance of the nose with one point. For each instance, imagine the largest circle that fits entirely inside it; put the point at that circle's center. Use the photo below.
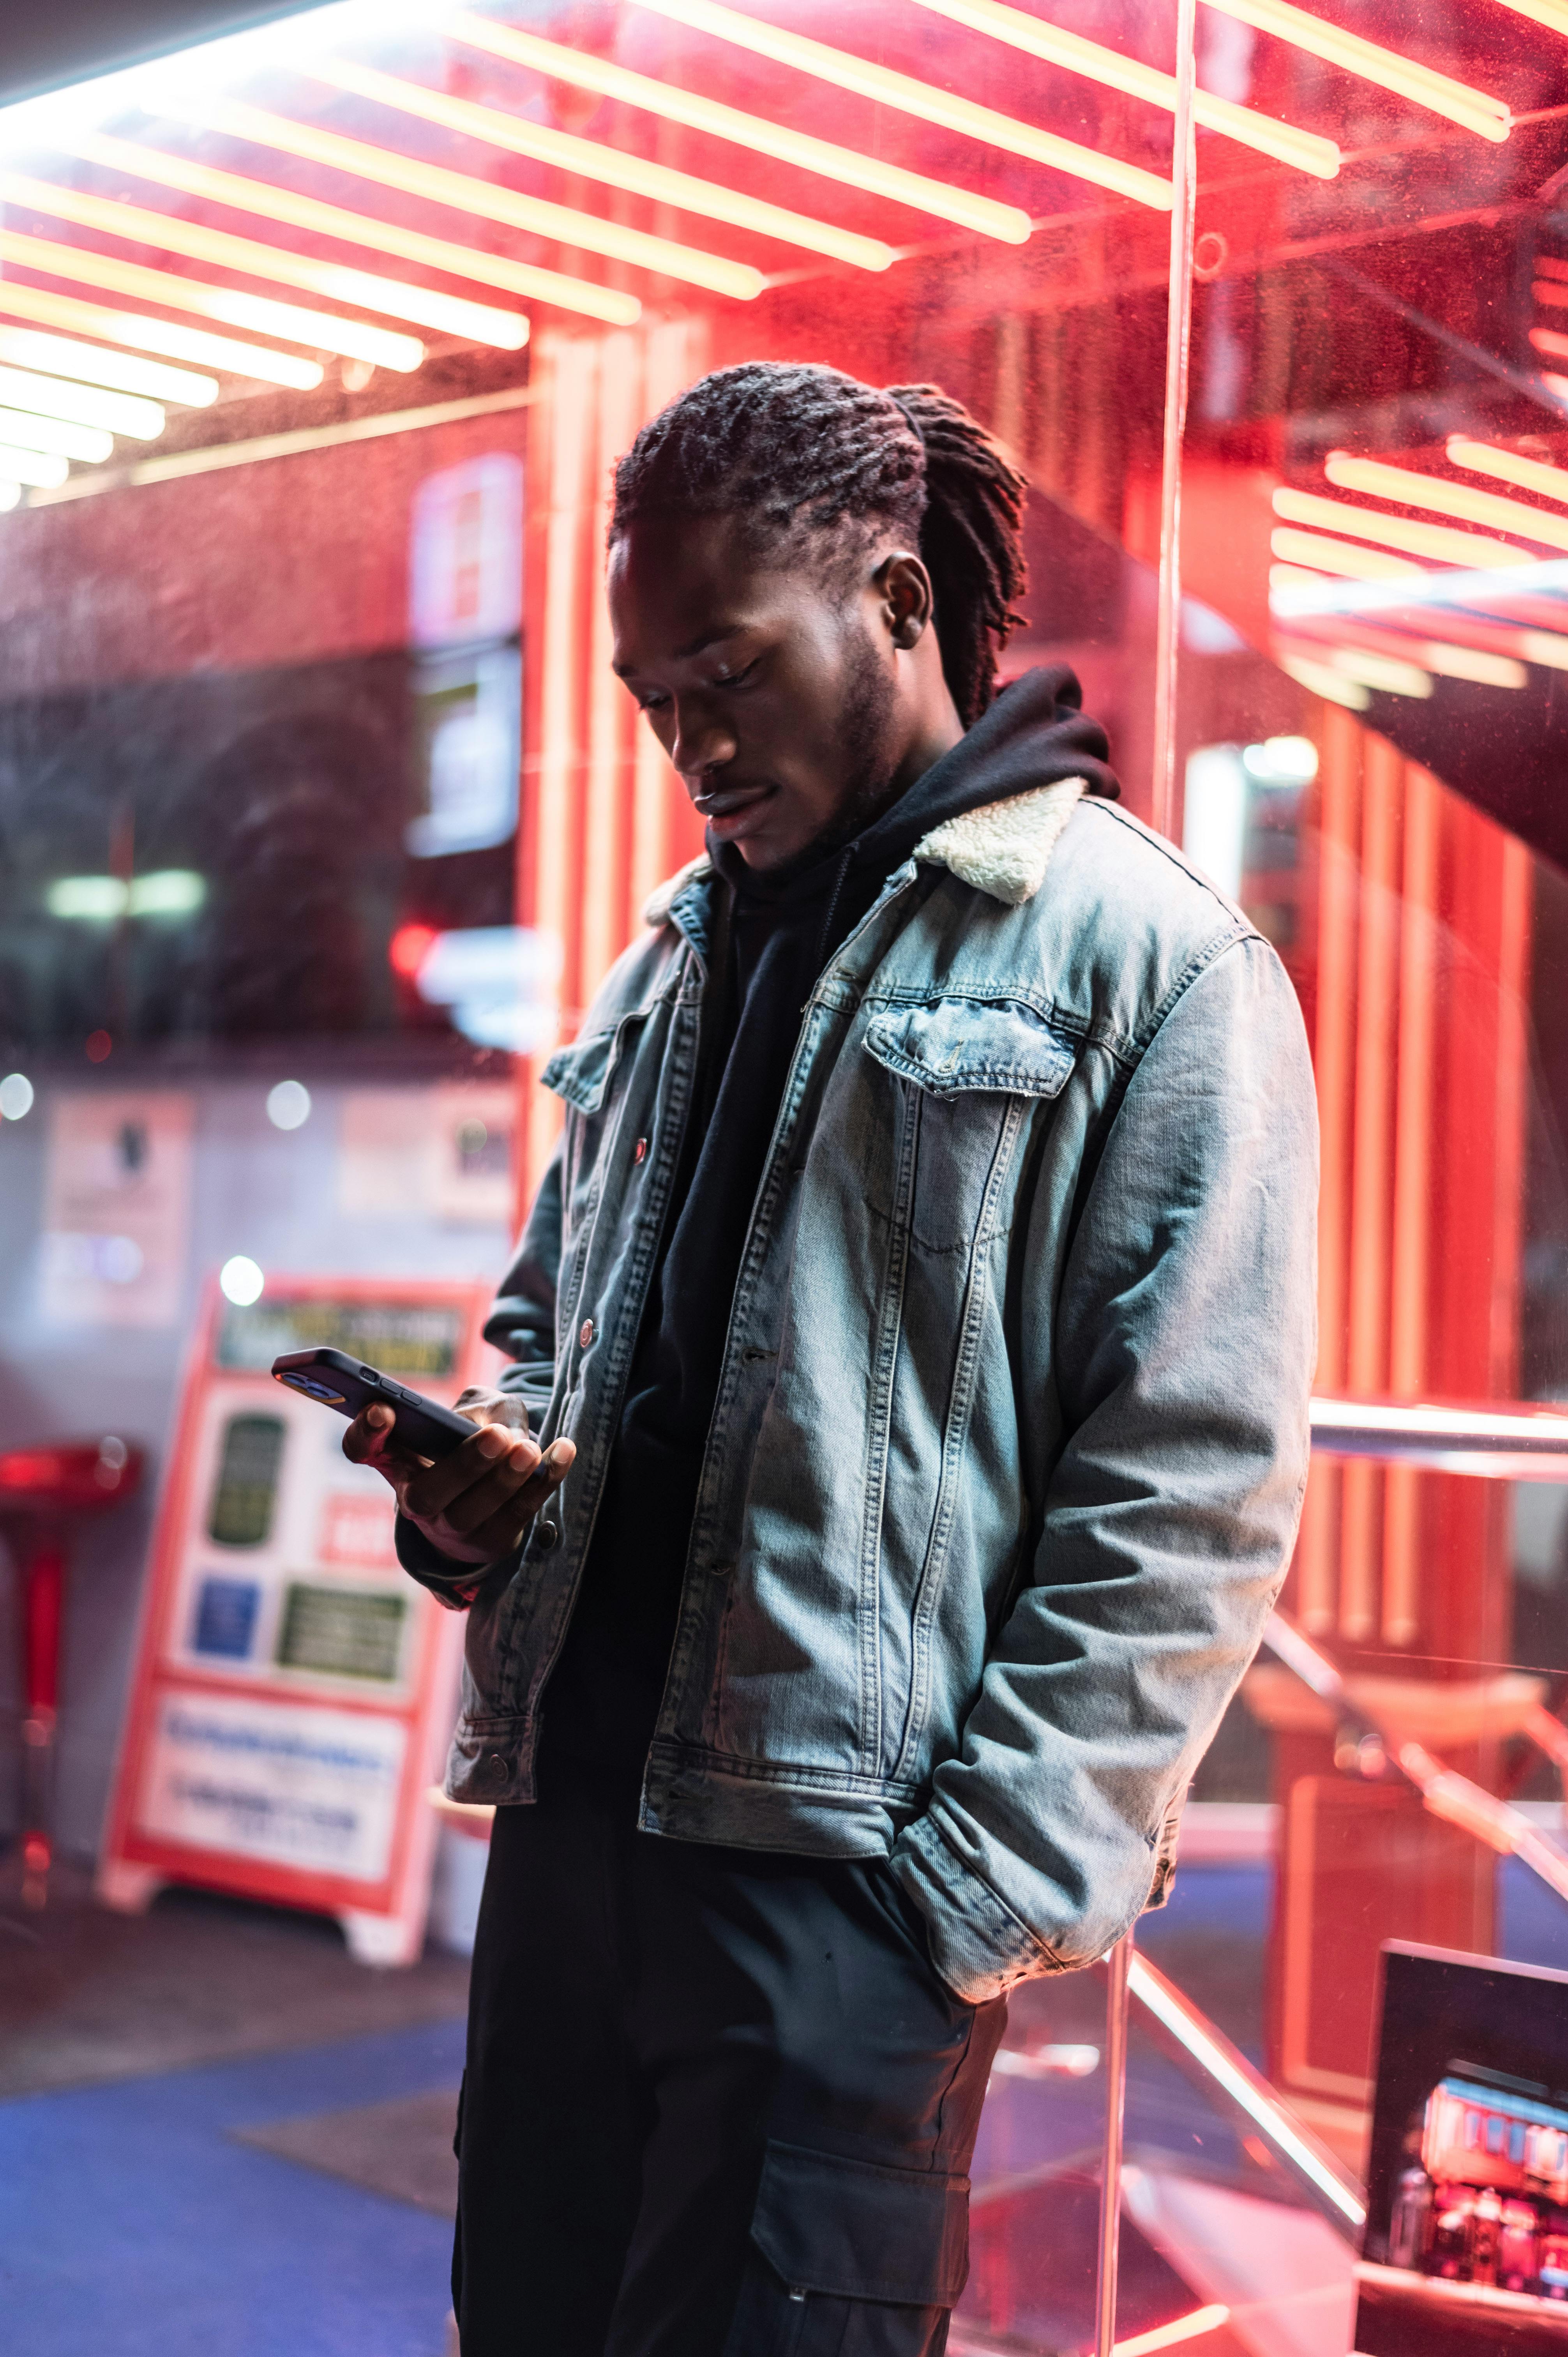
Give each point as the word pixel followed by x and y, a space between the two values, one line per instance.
pixel 702 744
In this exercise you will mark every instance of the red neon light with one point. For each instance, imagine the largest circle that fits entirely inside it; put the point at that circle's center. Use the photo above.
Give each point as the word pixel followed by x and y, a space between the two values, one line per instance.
pixel 408 949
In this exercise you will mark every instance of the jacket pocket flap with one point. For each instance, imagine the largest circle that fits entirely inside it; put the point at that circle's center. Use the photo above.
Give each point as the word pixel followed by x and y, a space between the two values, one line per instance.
pixel 582 1073
pixel 950 1044
pixel 858 2232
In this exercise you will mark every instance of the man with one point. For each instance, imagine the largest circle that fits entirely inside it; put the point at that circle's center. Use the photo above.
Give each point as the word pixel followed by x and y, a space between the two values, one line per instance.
pixel 916 1322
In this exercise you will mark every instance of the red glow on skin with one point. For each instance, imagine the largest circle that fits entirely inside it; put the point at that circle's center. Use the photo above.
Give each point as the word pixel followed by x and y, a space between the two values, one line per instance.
pixel 408 949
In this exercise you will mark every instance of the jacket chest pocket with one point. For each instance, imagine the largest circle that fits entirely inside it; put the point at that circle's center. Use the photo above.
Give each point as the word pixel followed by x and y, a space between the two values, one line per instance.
pixel 590 1078
pixel 973 1066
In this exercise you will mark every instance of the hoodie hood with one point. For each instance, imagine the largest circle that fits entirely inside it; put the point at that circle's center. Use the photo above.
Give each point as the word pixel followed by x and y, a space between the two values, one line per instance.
pixel 1034 736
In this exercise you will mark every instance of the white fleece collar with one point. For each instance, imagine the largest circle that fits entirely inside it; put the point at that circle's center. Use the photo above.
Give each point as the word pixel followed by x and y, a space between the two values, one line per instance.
pixel 1004 848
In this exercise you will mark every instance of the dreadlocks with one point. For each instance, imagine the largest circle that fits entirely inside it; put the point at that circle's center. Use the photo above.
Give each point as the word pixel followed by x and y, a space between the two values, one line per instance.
pixel 801 452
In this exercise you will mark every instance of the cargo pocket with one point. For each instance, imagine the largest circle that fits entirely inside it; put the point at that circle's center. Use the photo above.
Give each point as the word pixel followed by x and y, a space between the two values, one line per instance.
pixel 841 2230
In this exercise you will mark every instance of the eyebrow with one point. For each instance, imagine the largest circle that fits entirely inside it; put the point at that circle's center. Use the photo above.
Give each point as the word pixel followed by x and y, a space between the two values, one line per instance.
pixel 693 647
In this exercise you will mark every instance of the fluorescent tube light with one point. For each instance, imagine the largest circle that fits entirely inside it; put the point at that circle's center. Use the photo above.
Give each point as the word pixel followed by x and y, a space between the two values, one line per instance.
pixel 599 161
pixel 1303 150
pixel 144 333
pixel 1507 466
pixel 322 329
pixel 923 99
pixel 29 431
pixel 1438 542
pixel 1341 556
pixel 82 404
pixel 567 224
pixel 355 228
pixel 119 372
pixel 755 132
pixel 1447 499
pixel 31 467
pixel 1474 110
pixel 451 314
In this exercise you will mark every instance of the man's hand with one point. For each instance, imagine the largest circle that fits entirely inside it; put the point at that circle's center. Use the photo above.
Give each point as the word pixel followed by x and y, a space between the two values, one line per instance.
pixel 475 1504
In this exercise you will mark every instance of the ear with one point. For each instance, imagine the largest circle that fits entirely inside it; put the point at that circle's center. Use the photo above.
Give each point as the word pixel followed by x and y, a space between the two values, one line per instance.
pixel 904 586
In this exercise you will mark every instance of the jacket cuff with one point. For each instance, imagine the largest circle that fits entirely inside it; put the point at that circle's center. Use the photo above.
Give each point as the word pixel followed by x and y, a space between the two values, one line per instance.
pixel 456 1584
pixel 978 1944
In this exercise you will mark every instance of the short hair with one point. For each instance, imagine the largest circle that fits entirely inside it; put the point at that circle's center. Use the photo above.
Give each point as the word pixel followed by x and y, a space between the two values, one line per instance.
pixel 802 451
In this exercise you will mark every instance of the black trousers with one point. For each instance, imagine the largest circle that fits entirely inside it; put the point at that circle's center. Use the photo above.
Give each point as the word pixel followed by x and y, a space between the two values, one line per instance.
pixel 717 2103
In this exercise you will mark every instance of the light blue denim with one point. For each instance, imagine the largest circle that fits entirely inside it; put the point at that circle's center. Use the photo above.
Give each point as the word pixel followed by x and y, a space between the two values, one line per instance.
pixel 1011 1436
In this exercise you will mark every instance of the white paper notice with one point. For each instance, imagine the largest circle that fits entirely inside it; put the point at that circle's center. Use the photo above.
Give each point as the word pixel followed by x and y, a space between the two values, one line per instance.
pixel 117 1208
pixel 315 1790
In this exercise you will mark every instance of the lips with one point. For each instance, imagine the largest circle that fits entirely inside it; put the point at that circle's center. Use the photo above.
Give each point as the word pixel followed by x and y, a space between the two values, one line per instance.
pixel 733 799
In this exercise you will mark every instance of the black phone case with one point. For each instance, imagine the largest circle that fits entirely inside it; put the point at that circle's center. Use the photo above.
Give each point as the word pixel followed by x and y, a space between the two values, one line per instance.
pixel 347 1385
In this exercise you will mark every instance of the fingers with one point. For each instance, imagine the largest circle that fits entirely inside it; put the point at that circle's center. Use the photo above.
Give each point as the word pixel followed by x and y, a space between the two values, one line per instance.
pixel 503 1530
pixel 465 1488
pixel 369 1441
pixel 493 1407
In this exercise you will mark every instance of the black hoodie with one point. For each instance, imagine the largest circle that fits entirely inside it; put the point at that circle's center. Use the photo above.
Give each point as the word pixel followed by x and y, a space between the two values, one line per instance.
pixel 774 932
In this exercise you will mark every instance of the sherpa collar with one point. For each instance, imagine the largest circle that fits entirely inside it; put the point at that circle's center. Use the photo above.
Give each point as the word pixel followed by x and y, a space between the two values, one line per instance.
pixel 1003 849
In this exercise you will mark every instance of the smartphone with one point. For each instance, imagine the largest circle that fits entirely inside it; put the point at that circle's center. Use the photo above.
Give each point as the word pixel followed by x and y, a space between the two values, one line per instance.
pixel 348 1385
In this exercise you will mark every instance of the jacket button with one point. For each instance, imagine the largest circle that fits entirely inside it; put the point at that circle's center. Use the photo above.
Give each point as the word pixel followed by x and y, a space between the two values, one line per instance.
pixel 585 1334
pixel 493 1769
pixel 545 1535
pixel 640 1151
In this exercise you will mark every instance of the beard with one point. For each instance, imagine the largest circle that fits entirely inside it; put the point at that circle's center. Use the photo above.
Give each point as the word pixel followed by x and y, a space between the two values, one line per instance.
pixel 867 736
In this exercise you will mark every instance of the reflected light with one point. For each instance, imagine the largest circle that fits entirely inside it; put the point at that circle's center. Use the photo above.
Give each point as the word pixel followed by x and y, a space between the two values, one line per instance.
pixel 1318 679
pixel 1438 541
pixel 145 334
pixel 118 371
pixel 454 315
pixel 82 404
pixel 1303 150
pixel 565 223
pixel 288 1105
pixel 1474 110
pixel 923 99
pixel 10 496
pixel 39 432
pixel 1448 499
pixel 1391 674
pixel 755 132
pixel 1529 474
pixel 322 329
pixel 241 1281
pixel 336 221
pixel 16 1097
pixel 408 948
pixel 1180 2329
pixel 31 467
pixel 600 161
pixel 1341 556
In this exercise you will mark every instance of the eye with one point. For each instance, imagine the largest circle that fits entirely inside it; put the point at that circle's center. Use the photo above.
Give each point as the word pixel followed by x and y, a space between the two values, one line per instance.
pixel 651 702
pixel 734 678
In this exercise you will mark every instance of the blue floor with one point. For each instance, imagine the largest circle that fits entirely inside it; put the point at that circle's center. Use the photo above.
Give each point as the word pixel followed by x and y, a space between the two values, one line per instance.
pixel 132 2226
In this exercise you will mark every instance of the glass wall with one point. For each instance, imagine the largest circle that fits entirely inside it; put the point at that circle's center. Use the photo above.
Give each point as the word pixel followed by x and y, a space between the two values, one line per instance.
pixel 323 817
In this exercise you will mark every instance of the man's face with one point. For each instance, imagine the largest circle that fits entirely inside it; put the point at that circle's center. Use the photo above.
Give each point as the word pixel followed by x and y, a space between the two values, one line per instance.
pixel 776 693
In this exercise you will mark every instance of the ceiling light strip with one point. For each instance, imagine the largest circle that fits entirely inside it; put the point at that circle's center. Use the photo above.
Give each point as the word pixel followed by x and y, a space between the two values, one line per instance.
pixel 320 329
pixel 1385 482
pixel 1548 649
pixel 1302 149
pixel 600 161
pixel 1550 13
pixel 33 431
pixel 1507 466
pixel 451 314
pixel 169 338
pixel 117 371
pixel 567 224
pixel 1437 542
pixel 173 465
pixel 1341 556
pixel 845 71
pixel 82 404
pixel 31 467
pixel 1473 110
pixel 273 203
pixel 963 206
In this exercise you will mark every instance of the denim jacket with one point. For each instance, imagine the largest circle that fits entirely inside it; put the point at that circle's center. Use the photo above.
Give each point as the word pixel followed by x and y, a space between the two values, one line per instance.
pixel 1011 1433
